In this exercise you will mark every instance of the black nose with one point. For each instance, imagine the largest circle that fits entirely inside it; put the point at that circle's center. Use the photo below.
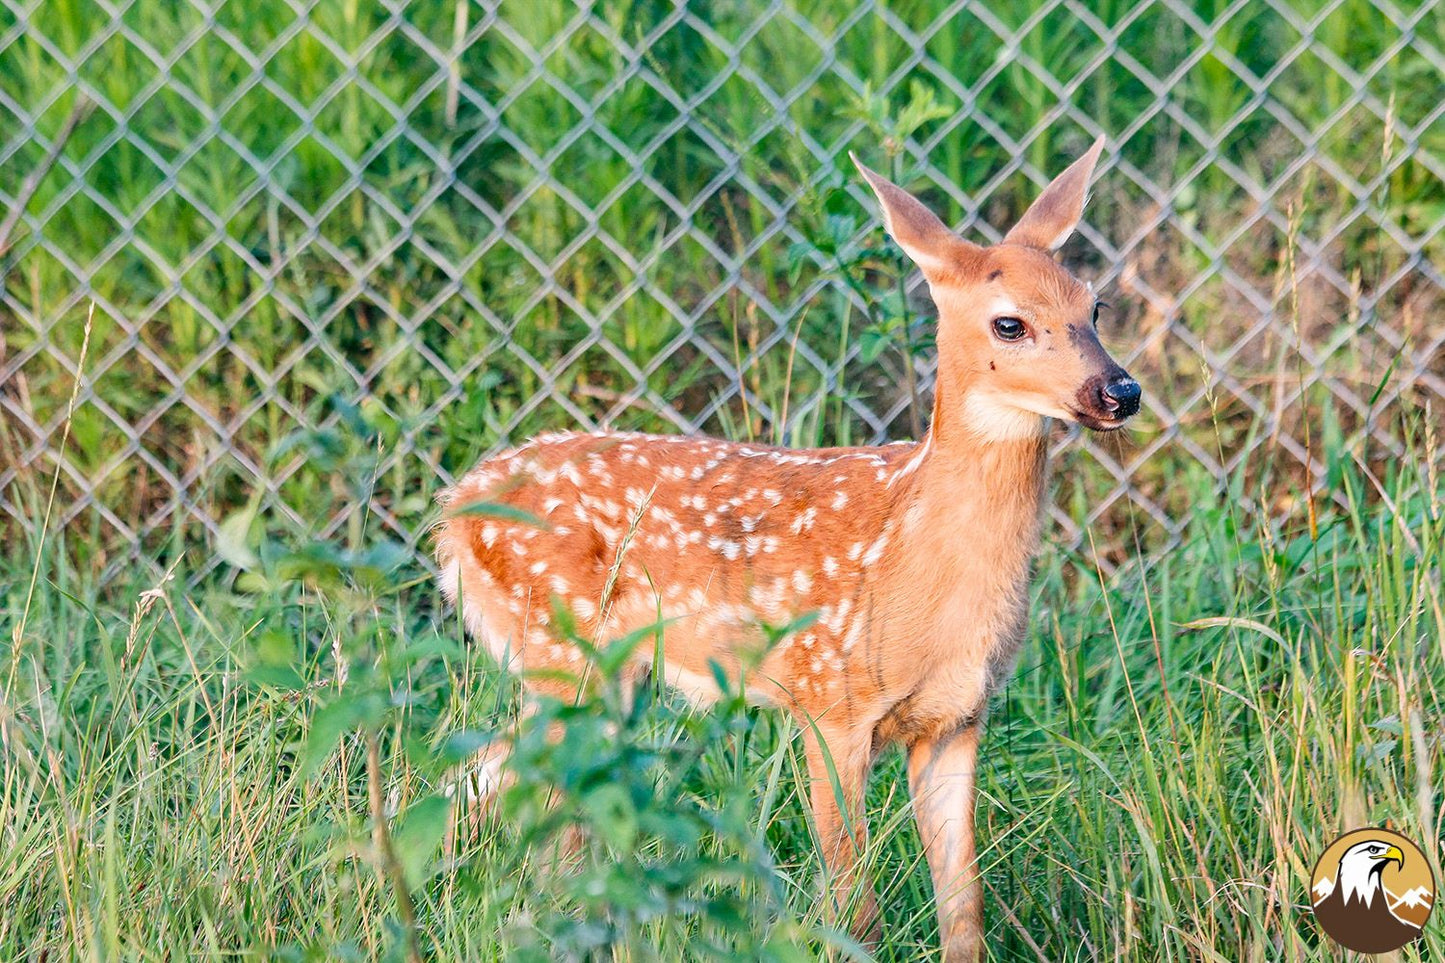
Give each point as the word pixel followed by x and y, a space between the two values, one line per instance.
pixel 1121 396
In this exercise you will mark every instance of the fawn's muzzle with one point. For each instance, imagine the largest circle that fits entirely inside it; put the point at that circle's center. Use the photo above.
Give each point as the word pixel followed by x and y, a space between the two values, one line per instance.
pixel 1106 400
pixel 1120 396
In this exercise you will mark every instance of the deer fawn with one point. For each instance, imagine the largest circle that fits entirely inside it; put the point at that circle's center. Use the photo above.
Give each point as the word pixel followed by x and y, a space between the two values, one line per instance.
pixel 915 557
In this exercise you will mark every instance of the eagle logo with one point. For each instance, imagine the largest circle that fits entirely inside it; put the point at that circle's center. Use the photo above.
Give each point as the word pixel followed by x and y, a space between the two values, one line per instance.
pixel 1372 891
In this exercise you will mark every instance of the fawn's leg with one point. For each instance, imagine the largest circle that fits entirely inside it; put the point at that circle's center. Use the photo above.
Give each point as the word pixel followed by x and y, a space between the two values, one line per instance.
pixel 941 780
pixel 483 777
pixel 839 819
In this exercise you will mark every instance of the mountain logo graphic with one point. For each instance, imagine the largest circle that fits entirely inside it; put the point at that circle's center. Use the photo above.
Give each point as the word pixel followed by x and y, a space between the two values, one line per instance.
pixel 1372 891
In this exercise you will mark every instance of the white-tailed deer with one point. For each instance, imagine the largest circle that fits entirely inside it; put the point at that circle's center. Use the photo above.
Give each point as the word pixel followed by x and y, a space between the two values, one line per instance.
pixel 915 556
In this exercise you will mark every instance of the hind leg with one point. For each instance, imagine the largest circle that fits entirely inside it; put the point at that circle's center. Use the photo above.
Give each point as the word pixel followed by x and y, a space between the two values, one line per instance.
pixel 481 779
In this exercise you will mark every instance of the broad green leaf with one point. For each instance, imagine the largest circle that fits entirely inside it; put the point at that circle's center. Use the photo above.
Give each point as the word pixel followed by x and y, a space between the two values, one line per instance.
pixel 615 655
pixel 501 510
pixel 276 676
pixel 428 647
pixel 333 721
pixel 233 539
pixel 465 743
pixel 611 815
pixel 418 834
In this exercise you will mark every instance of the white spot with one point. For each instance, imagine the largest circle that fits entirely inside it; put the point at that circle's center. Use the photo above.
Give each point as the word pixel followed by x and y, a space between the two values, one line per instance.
pixel 538 568
pixel 519 548
pixel 875 551
pixel 913 518
pixel 769 601
pixel 728 549
pixel 830 566
pixel 551 505
pixel 489 534
pixel 804 521
pixel 839 500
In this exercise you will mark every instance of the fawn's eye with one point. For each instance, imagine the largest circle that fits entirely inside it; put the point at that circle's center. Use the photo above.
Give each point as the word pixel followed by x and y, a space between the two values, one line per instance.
pixel 1009 329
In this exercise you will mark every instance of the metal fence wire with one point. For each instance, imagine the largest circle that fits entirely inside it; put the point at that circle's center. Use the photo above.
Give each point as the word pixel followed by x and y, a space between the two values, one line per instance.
pixel 336 251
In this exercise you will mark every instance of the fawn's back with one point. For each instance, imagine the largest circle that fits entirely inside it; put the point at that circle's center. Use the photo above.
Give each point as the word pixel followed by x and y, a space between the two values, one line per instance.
pixel 713 536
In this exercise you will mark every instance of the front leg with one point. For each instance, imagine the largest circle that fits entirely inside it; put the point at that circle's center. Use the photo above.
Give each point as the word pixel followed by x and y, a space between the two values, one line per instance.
pixel 941 780
pixel 840 821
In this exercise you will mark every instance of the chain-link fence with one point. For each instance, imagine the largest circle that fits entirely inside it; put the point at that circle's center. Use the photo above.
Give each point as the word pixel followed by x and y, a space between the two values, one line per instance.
pixel 336 251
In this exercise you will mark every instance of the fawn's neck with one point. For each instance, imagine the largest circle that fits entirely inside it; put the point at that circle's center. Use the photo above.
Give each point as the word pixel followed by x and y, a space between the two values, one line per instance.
pixel 975 502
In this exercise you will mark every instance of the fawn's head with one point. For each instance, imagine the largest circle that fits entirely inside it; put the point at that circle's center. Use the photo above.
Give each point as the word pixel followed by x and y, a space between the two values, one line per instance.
pixel 1017 338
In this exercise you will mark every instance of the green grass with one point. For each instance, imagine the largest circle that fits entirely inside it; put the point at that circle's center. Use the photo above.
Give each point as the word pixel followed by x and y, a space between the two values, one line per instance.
pixel 1179 743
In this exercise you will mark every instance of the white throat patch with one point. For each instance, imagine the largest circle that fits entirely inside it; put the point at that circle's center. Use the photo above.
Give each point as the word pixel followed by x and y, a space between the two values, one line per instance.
pixel 992 417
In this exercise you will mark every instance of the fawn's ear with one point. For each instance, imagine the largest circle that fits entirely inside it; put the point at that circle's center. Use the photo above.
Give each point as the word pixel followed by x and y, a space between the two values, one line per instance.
pixel 923 237
pixel 1052 218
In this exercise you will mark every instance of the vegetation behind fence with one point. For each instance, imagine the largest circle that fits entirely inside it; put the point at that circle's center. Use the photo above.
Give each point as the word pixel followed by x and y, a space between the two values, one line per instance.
pixel 337 251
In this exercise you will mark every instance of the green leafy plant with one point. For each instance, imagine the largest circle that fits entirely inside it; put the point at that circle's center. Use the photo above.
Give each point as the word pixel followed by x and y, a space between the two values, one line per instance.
pixel 620 783
pixel 877 273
